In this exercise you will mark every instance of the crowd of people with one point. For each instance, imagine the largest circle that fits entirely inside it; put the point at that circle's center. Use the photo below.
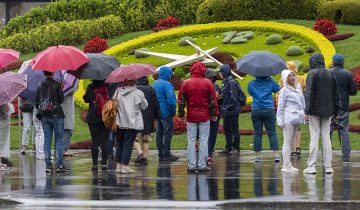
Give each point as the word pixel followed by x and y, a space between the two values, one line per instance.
pixel 322 101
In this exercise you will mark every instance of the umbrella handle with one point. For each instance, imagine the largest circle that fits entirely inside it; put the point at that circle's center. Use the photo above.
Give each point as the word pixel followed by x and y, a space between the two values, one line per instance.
pixel 212 58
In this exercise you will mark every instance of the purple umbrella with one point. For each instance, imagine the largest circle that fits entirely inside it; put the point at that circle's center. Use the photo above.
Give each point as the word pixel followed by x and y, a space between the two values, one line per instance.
pixel 11 85
pixel 130 72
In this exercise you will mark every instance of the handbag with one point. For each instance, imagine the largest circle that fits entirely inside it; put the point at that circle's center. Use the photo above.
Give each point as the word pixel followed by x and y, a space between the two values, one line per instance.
pixel 27 106
pixel 109 113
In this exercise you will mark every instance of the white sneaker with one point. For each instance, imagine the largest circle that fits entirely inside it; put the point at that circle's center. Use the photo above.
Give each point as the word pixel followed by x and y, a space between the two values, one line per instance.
pixel 40 157
pixel 309 170
pixel 118 170
pixel 127 170
pixel 289 169
pixel 329 170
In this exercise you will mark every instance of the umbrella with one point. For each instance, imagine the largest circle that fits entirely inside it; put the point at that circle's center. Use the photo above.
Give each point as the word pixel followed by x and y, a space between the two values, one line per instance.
pixel 130 72
pixel 261 63
pixel 34 79
pixel 8 56
pixel 99 67
pixel 58 58
pixel 11 85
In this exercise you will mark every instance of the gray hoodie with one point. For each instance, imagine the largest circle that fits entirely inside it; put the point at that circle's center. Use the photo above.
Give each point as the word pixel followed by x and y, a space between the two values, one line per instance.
pixel 131 102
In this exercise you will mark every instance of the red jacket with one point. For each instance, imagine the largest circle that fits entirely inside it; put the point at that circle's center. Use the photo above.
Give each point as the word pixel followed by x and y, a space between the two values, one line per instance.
pixel 198 95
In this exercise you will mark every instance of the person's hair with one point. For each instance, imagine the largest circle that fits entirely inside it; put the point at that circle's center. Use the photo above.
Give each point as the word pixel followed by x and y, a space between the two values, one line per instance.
pixel 129 82
pixel 291 65
pixel 47 73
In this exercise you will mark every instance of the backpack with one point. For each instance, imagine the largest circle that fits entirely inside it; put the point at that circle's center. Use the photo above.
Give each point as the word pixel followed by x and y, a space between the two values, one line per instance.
pixel 109 113
pixel 47 107
pixel 101 97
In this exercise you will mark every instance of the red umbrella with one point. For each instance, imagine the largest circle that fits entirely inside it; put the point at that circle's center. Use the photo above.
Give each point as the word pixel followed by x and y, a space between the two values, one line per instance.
pixel 130 72
pixel 58 58
pixel 8 56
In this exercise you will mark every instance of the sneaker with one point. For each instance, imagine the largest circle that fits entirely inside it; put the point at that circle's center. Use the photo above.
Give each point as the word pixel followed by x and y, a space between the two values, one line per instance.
pixel 235 152
pixel 294 155
pixel 298 151
pixel 127 170
pixel 104 167
pixel 144 161
pixel 40 157
pixel 205 169
pixel 118 170
pixel 329 170
pixel 60 169
pixel 3 167
pixel 346 160
pixel 6 162
pixel 257 159
pixel 94 167
pixel 309 170
pixel 139 158
pixel 49 169
pixel 277 159
pixel 210 161
pixel 161 158
pixel 289 169
pixel 23 150
pixel 171 158
pixel 191 170
pixel 225 152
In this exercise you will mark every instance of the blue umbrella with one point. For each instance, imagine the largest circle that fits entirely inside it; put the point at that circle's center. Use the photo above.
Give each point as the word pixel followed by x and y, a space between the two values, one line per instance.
pixel 261 63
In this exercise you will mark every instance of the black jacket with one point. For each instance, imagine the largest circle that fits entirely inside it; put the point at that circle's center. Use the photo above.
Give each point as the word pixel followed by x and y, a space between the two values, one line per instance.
pixel 321 95
pixel 57 95
pixel 152 112
pixel 89 97
pixel 346 85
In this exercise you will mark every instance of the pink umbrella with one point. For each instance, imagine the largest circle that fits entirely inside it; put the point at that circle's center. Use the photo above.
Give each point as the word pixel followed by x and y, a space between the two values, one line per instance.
pixel 11 85
pixel 59 57
pixel 8 56
pixel 130 72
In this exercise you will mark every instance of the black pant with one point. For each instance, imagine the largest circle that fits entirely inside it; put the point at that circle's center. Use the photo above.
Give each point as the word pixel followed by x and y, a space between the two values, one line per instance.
pixel 231 129
pixel 124 144
pixel 214 126
pixel 99 135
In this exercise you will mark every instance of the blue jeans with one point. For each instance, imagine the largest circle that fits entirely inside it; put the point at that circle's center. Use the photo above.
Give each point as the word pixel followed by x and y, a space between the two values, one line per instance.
pixel 344 134
pixel 66 139
pixel 53 124
pixel 164 133
pixel 124 145
pixel 261 117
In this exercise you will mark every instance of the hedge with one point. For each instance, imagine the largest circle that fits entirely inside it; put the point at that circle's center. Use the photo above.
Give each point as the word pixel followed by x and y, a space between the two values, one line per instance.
pixel 229 10
pixel 136 14
pixel 66 33
pixel 315 38
pixel 341 11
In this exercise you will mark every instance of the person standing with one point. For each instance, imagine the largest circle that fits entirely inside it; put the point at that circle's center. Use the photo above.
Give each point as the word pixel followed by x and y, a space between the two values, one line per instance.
pixel 262 113
pixel 150 114
pixel 48 102
pixel 233 98
pixel 214 125
pixel 129 122
pixel 290 114
pixel 347 87
pixel 165 126
pixel 39 135
pixel 26 108
pixel 5 111
pixel 97 95
pixel 69 110
pixel 198 95
pixel 322 103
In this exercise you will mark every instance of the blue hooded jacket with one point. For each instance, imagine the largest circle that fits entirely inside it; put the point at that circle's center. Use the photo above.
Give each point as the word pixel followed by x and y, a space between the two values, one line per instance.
pixel 165 92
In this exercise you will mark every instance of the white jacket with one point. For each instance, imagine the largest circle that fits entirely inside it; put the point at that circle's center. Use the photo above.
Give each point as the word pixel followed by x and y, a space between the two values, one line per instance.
pixel 131 102
pixel 291 103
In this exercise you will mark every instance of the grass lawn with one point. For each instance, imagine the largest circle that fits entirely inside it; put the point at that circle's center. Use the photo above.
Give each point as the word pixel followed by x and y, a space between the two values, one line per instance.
pixel 349 47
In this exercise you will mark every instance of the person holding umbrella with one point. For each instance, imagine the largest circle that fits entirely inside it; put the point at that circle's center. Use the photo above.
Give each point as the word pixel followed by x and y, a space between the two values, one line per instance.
pixel 262 65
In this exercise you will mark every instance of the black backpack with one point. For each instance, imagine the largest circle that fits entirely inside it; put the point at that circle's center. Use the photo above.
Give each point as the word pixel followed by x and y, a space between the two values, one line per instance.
pixel 47 106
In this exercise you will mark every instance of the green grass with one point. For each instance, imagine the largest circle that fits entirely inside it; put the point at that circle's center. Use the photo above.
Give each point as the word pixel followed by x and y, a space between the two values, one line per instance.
pixel 349 47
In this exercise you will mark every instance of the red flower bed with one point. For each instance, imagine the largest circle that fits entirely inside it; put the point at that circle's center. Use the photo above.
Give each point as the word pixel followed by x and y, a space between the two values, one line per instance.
pixel 166 23
pixel 96 45
pixel 246 109
pixel 14 66
pixel 83 116
pixel 81 145
pixel 15 103
pixel 337 37
pixel 357 81
pixel 179 125
pixel 354 128
pixel 354 107
pixel 326 27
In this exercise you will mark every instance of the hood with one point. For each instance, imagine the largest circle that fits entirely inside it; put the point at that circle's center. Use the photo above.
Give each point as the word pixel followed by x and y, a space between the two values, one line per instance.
pixel 197 70
pixel 143 81
pixel 126 90
pixel 225 70
pixel 284 75
pixel 165 73
pixel 316 61
pixel 210 73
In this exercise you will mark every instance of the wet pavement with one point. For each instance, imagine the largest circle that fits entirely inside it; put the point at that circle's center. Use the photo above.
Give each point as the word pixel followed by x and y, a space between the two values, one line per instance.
pixel 234 182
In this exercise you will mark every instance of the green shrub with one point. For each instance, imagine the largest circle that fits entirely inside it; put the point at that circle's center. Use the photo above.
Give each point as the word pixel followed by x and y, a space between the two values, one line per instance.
pixel 66 33
pixel 273 39
pixel 179 71
pixel 294 51
pixel 182 41
pixel 140 54
pixel 228 10
pixel 187 76
pixel 341 11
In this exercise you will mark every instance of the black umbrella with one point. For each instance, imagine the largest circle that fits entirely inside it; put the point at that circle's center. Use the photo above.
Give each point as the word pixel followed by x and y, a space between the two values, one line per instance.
pixel 261 63
pixel 98 68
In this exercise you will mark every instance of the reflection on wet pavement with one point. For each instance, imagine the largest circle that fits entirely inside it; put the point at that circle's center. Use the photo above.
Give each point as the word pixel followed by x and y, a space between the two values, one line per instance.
pixel 232 177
